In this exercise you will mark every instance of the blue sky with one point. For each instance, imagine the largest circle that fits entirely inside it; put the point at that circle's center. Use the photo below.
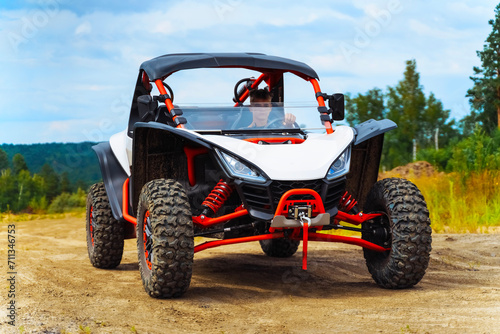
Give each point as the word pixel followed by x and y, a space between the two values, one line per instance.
pixel 69 67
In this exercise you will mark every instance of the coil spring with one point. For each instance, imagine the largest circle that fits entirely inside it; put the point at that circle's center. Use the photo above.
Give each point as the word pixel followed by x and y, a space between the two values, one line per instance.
pixel 218 196
pixel 347 202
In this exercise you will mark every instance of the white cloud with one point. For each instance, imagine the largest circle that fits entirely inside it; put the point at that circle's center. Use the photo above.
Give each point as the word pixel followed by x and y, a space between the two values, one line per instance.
pixel 83 29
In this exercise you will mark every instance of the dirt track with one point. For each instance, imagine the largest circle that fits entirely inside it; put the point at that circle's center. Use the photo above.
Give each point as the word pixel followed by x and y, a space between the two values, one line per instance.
pixel 236 289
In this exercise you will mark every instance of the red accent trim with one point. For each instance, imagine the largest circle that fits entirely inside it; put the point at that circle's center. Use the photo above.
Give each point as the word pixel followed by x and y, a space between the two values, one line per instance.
pixel 191 153
pixel 356 219
pixel 216 243
pixel 305 237
pixel 91 221
pixel 345 240
pixel 255 84
pixel 126 216
pixel 145 240
pixel 321 103
pixel 276 140
pixel 207 221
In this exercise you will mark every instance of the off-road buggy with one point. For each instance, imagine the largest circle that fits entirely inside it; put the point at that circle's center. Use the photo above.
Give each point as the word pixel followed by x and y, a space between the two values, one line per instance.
pixel 178 172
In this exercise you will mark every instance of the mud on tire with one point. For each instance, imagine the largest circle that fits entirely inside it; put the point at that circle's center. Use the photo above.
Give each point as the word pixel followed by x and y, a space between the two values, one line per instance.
pixel 104 233
pixel 165 240
pixel 279 247
pixel 405 230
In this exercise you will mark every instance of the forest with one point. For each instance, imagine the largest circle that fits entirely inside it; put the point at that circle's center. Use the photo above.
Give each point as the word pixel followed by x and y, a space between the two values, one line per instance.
pixel 49 177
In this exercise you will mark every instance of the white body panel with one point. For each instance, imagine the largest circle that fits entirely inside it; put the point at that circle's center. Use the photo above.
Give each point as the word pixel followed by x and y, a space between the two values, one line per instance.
pixel 121 145
pixel 307 161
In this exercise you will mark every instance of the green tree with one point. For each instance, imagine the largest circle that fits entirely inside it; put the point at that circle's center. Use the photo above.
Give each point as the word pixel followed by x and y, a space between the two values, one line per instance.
pixel 422 122
pixel 435 129
pixel 406 105
pixel 65 183
pixel 4 160
pixel 51 182
pixel 8 190
pixel 18 163
pixel 364 107
pixel 484 96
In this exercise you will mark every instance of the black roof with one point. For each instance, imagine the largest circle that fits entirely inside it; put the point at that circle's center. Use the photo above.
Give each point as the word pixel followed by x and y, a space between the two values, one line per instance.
pixel 162 66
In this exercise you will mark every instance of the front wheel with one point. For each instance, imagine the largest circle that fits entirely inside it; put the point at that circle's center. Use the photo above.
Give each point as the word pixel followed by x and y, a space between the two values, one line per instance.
pixel 165 240
pixel 405 229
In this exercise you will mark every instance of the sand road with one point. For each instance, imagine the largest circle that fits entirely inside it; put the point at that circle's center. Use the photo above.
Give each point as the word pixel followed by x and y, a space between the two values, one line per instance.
pixel 237 289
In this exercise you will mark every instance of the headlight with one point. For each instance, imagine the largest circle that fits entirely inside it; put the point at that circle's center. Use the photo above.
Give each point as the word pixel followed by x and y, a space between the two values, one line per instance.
pixel 340 166
pixel 239 169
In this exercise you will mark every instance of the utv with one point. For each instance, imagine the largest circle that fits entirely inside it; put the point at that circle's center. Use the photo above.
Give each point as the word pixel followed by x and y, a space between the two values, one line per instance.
pixel 178 172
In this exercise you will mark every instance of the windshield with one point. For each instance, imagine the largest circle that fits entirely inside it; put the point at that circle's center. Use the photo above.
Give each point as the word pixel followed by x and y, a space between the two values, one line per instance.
pixel 248 118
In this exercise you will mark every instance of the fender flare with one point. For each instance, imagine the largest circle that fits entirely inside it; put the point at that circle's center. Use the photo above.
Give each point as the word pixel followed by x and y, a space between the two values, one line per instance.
pixel 372 128
pixel 113 177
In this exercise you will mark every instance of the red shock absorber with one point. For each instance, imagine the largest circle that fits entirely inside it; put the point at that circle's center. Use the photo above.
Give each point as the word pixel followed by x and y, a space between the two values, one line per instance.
pixel 347 202
pixel 217 197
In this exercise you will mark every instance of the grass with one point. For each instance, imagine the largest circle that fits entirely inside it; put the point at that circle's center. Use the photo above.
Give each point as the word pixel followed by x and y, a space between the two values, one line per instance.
pixel 462 203
pixel 8 217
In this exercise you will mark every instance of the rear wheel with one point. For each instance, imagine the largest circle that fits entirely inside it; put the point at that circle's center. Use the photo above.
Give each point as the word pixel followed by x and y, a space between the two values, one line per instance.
pixel 405 229
pixel 279 247
pixel 105 234
pixel 165 240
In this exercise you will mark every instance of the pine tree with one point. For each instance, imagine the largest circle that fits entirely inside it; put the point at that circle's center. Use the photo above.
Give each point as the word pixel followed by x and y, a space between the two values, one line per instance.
pixel 484 96
pixel 422 122
pixel 406 106
pixel 65 183
pixel 18 163
pixel 51 182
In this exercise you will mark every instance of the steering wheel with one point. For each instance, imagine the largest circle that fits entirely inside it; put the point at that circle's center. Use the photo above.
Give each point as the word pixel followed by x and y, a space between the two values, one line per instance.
pixel 295 125
pixel 237 93
pixel 170 91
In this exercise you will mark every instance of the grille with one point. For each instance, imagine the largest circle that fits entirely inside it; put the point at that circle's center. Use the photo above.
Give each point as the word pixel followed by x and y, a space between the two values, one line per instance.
pixel 266 198
pixel 257 197
pixel 278 188
pixel 334 192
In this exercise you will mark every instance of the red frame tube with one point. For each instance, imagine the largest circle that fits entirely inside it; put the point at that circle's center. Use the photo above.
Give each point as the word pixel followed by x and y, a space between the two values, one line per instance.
pixel 191 153
pixel 207 221
pixel 168 102
pixel 356 219
pixel 216 243
pixel 321 103
pixel 127 217
pixel 345 240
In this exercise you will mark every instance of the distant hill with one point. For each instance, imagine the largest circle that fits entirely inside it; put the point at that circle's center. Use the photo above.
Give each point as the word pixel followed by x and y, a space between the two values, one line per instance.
pixel 77 159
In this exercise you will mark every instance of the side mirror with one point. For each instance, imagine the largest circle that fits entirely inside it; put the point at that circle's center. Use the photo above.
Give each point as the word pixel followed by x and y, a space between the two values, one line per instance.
pixel 336 104
pixel 146 106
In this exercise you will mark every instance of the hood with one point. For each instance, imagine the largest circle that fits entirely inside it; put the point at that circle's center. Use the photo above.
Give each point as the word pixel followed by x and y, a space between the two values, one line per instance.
pixel 309 160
